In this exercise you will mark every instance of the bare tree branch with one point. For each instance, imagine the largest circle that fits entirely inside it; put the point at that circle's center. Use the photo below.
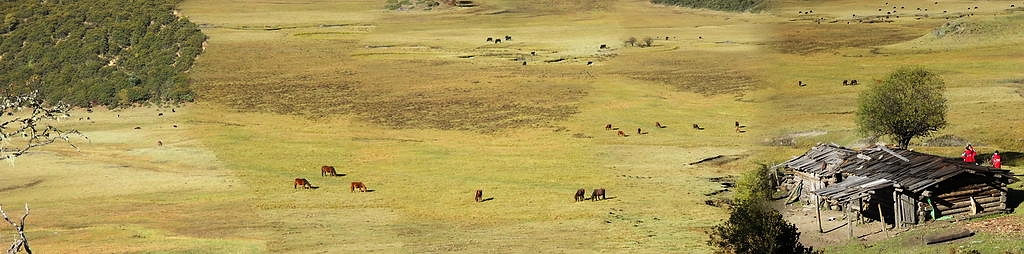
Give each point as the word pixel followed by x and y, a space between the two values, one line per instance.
pixel 21 131
pixel 22 241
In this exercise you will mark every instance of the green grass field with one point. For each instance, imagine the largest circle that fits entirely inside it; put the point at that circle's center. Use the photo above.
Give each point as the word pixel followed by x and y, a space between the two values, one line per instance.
pixel 417 105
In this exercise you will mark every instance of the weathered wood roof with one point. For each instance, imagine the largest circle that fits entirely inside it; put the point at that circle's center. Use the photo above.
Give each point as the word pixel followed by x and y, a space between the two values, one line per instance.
pixel 880 167
pixel 820 160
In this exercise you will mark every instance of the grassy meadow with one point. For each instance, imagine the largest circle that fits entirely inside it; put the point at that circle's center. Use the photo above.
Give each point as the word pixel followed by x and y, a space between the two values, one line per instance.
pixel 420 107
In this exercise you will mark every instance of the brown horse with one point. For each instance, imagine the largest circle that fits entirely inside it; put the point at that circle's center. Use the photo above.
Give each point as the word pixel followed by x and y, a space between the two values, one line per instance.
pixel 357 186
pixel 479 195
pixel 622 134
pixel 581 195
pixel 608 126
pixel 303 182
pixel 598 193
pixel 328 170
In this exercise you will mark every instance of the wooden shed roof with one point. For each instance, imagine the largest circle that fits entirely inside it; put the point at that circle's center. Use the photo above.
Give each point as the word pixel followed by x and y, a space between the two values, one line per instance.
pixel 820 160
pixel 880 167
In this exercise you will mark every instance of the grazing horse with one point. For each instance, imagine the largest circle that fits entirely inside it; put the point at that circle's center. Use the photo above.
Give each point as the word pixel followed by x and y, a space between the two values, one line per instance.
pixel 581 195
pixel 303 182
pixel 357 186
pixel 622 134
pixel 328 170
pixel 479 195
pixel 608 126
pixel 598 193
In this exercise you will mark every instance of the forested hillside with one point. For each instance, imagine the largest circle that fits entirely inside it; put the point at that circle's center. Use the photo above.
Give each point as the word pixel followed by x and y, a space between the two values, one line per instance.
pixel 721 5
pixel 111 52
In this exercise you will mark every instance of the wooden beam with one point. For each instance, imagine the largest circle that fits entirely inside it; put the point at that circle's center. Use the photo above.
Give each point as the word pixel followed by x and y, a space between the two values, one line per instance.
pixel 817 206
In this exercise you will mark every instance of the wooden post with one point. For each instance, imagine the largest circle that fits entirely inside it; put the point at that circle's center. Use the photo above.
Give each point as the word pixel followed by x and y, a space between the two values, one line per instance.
pixel 849 218
pixel 897 212
pixel 882 216
pixel 817 206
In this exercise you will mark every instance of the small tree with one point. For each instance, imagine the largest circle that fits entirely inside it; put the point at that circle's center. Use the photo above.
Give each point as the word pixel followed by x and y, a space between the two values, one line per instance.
pixel 646 42
pixel 24 124
pixel 630 42
pixel 753 227
pixel 907 104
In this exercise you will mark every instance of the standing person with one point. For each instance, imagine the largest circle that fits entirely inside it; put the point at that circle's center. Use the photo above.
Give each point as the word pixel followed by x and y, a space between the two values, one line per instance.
pixel 969 154
pixel 997 161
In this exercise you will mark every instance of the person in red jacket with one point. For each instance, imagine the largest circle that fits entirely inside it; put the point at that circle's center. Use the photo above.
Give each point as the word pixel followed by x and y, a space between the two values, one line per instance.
pixel 969 154
pixel 997 161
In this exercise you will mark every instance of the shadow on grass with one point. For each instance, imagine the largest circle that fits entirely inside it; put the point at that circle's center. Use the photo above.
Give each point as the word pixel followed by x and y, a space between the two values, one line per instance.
pixel 1014 198
pixel 486 199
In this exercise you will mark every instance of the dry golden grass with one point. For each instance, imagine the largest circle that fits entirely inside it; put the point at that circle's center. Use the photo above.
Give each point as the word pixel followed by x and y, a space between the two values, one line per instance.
pixel 417 105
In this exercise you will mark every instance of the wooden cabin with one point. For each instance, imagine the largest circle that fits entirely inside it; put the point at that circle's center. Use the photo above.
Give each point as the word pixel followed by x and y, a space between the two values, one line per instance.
pixel 904 187
pixel 815 169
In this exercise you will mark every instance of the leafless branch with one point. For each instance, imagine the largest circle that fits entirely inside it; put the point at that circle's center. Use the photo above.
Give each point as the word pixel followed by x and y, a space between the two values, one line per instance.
pixel 22 241
pixel 23 124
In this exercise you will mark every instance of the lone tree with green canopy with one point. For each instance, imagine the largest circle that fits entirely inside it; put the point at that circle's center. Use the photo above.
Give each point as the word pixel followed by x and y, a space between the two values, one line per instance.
pixel 907 104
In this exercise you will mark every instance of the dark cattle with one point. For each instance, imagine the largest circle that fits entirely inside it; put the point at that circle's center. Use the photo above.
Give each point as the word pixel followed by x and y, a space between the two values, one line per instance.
pixel 666 38
pixel 846 82
pixel 604 46
pixel 853 82
pixel 590 62
pixel 159 143
pixel 658 124
pixel 597 195
pixel 608 126
pixel 328 170
pixel 581 195
pixel 159 114
pixel 497 40
pixel 479 195
pixel 800 83
pixel 302 182
pixel 508 37
pixel 639 131
pixel 737 124
pixel 534 53
pixel 172 110
pixel 357 186
pixel 489 39
pixel 622 134
pixel 524 62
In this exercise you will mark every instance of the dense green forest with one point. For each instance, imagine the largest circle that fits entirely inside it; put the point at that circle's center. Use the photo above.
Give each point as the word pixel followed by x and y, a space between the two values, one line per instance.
pixel 110 52
pixel 721 5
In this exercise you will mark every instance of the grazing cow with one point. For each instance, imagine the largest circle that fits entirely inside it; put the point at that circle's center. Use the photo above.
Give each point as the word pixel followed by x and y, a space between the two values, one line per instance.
pixel 622 134
pixel 737 124
pixel 479 195
pixel 581 195
pixel 801 83
pixel 533 53
pixel 597 195
pixel 508 37
pixel 853 82
pixel 489 39
pixel 604 46
pixel 846 82
pixel 159 143
pixel 328 170
pixel 357 186
pixel 302 182
pixel 590 62
pixel 608 126
pixel 639 131
pixel 524 62
pixel 496 41
pixel 666 38
pixel 658 124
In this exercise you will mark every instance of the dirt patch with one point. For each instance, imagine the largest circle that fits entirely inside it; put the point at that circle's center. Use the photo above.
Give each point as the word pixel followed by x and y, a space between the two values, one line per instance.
pixel 716 75
pixel 946 140
pixel 33 183
pixel 790 139
pixel 800 38
pixel 718 160
pixel 1006 225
